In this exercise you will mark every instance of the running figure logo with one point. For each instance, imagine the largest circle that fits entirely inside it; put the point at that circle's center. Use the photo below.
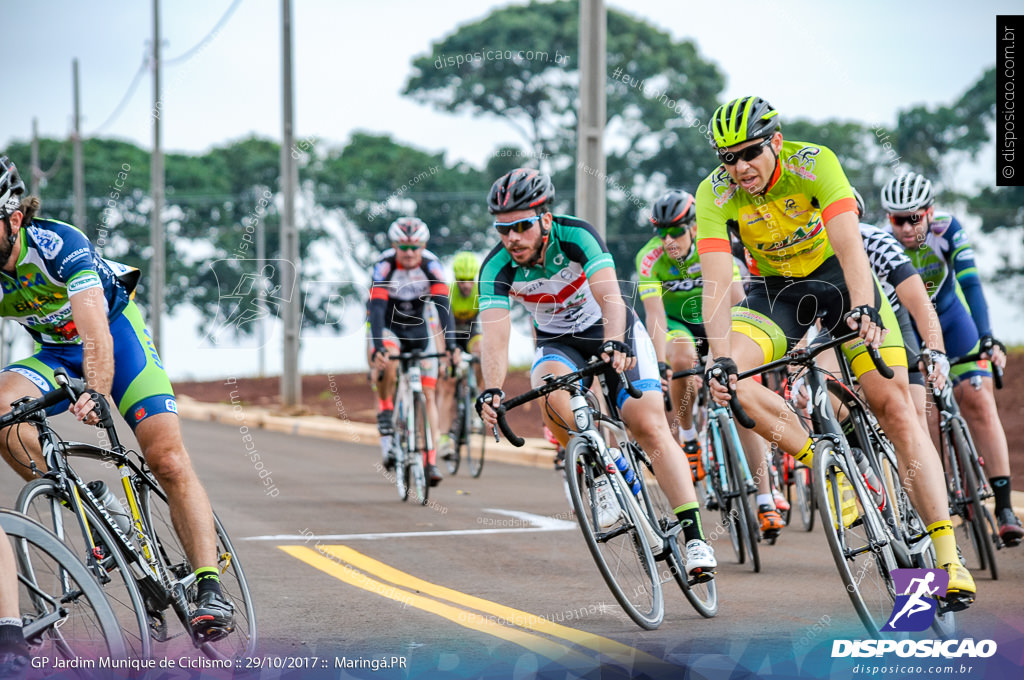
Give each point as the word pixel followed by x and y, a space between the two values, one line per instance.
pixel 914 609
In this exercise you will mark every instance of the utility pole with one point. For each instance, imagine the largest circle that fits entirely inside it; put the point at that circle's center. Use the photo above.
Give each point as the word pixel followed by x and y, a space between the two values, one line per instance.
pixel 590 167
pixel 156 181
pixel 79 168
pixel 291 383
pixel 34 171
pixel 261 300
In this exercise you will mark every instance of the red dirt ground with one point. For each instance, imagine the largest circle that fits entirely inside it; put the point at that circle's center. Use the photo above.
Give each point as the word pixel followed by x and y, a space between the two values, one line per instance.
pixel 349 395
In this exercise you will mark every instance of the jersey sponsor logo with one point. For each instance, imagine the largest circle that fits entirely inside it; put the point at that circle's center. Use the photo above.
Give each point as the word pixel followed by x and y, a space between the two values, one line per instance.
pixel 381 270
pixel 647 264
pixel 140 413
pixel 26 281
pixel 67 330
pixel 48 242
pixel 722 186
pixel 694 269
pixel 802 162
pixel 37 303
pixel 940 223
pixel 75 254
pixel 965 254
pixel 558 260
pixel 171 405
pixel 682 285
pixel 812 230
pixel 84 283
pixel 34 377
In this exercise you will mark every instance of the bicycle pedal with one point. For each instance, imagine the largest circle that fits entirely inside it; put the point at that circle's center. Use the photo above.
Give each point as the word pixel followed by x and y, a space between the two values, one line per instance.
pixel 956 602
pixel 770 536
pixel 213 634
pixel 698 576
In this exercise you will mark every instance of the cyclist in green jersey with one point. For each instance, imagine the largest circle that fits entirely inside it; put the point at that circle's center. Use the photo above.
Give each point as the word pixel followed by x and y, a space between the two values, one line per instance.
pixel 670 286
pixel 465 306
pixel 793 209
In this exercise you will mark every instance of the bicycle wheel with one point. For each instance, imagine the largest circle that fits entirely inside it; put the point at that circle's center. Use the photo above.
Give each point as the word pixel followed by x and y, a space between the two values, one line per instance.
pixel 239 643
pixel 400 445
pixel 621 551
pixel 975 524
pixel 721 490
pixel 476 438
pixel 458 428
pixel 702 596
pixel 45 502
pixel 862 552
pixel 417 454
pixel 64 612
pixel 747 521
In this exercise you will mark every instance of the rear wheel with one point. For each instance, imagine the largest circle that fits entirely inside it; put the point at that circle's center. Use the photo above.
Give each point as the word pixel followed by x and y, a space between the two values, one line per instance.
pixel 621 552
pixel 458 428
pixel 977 519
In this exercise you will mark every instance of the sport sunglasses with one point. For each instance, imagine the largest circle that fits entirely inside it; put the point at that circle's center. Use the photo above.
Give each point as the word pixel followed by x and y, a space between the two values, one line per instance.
pixel 674 232
pixel 408 246
pixel 748 154
pixel 519 226
pixel 900 220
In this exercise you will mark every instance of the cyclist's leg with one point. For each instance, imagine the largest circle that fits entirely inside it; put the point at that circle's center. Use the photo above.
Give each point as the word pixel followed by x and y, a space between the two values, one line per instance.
pixel 681 352
pixel 12 640
pixel 555 359
pixel 385 385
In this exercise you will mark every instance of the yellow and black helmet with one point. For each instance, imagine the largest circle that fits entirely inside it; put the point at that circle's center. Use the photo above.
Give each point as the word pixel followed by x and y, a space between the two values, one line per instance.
pixel 743 119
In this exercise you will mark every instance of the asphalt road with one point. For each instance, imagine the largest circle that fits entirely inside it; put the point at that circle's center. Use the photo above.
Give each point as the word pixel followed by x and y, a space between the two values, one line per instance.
pixel 341 568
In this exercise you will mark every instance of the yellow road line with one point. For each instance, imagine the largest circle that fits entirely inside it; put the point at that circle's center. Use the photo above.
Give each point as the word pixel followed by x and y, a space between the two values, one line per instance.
pixel 610 648
pixel 467 619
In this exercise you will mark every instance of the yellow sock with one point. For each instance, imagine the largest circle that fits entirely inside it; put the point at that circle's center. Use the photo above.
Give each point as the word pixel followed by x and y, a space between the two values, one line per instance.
pixel 941 533
pixel 806 454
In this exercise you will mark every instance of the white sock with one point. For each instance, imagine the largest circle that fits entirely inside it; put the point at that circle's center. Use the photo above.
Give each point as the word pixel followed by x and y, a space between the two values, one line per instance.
pixel 765 499
pixel 689 434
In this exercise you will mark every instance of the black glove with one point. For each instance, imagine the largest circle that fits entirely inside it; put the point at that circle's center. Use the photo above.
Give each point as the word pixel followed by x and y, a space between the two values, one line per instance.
pixel 665 370
pixel 865 310
pixel 988 343
pixel 615 346
pixel 727 365
pixel 485 398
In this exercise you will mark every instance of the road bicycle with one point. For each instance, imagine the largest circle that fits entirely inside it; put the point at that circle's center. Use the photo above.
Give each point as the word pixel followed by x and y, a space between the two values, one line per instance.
pixel 469 436
pixel 966 481
pixel 63 610
pixel 883 531
pixel 129 543
pixel 640 528
pixel 412 437
pixel 729 481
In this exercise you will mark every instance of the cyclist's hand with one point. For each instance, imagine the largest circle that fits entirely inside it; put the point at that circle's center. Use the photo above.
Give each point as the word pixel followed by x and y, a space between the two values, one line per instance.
pixel 487 402
pixel 84 409
pixel 665 371
pixel 939 373
pixel 719 392
pixel 380 359
pixel 799 395
pixel 994 350
pixel 867 319
pixel 454 357
pixel 618 354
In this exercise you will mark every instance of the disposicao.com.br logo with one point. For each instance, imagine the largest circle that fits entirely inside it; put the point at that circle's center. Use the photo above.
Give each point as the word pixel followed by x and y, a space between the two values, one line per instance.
pixel 913 611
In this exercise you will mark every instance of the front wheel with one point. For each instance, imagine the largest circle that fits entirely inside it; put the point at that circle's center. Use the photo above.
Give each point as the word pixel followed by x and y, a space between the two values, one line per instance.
pixel 749 531
pixel 420 437
pixel 976 518
pixel 621 552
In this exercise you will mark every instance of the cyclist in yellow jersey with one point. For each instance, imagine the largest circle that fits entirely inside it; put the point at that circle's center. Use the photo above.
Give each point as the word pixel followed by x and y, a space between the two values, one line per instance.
pixel 792 207
pixel 465 307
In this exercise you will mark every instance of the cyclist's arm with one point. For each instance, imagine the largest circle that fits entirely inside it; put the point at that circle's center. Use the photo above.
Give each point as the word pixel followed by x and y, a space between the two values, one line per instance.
pixel 843 232
pixel 961 257
pixel 496 327
pixel 657 324
pixel 605 287
pixel 89 311
pixel 716 266
pixel 914 296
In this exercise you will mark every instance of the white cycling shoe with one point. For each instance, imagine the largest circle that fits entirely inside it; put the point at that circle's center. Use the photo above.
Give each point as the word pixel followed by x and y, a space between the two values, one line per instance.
pixel 608 510
pixel 700 560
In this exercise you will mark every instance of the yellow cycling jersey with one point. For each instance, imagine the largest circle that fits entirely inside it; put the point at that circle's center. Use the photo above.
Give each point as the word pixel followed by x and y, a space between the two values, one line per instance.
pixel 783 229
pixel 464 308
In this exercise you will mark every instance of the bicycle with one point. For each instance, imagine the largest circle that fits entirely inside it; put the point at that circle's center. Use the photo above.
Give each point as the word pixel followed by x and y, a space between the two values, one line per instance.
pixel 130 546
pixel 887 532
pixel 412 437
pixel 645 529
pixel 729 481
pixel 469 433
pixel 64 613
pixel 966 481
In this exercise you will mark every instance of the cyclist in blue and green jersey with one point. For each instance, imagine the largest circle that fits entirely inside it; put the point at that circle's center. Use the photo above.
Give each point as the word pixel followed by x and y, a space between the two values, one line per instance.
pixel 559 268
pixel 670 286
pixel 792 207
pixel 78 309
pixel 942 253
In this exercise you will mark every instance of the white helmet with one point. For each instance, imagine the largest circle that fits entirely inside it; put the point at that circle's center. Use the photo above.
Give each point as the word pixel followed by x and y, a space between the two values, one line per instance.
pixel 907 193
pixel 408 230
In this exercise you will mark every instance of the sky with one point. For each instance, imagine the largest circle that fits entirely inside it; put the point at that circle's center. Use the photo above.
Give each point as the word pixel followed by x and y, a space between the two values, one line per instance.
pixel 861 61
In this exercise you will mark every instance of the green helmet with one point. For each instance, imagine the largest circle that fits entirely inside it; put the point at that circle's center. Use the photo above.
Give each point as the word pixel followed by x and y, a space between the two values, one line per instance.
pixel 743 119
pixel 466 266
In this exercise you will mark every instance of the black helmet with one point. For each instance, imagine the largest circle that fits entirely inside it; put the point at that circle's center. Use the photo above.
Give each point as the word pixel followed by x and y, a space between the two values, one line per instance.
pixel 11 187
pixel 673 209
pixel 521 189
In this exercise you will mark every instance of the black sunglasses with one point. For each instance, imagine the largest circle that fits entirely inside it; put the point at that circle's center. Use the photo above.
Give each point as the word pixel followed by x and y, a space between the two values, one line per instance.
pixel 748 154
pixel 519 226
pixel 900 220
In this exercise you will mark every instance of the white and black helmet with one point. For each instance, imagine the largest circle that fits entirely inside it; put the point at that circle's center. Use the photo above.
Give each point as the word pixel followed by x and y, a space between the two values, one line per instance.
pixel 860 202
pixel 11 188
pixel 907 193
pixel 408 230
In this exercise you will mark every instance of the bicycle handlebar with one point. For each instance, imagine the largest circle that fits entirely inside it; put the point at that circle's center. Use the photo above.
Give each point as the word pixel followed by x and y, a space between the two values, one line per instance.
pixel 550 385
pixel 69 389
pixel 997 373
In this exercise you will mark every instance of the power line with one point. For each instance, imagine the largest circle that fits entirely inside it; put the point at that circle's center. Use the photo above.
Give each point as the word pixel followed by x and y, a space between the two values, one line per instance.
pixel 209 36
pixel 124 100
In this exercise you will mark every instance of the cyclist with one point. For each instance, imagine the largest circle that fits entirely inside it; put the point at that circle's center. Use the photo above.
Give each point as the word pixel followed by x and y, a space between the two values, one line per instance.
pixel 559 268
pixel 404 277
pixel 670 286
pixel 792 207
pixel 942 253
pixel 463 299
pixel 14 651
pixel 78 308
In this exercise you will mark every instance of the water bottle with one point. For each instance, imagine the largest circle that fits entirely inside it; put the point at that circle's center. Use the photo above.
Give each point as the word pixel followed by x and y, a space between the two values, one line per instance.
pixel 113 506
pixel 870 478
pixel 625 469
